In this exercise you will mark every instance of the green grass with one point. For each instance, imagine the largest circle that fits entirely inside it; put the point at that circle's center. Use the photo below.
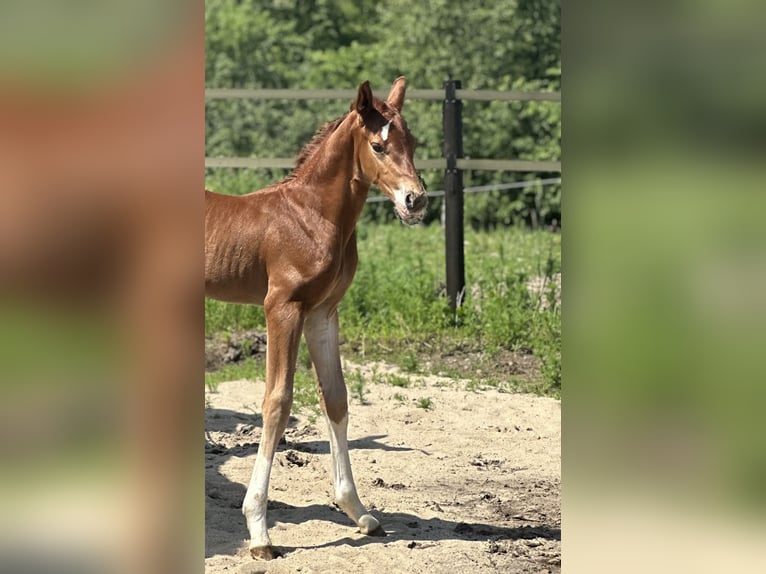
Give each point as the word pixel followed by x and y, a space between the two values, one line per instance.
pixel 424 403
pixel 221 316
pixel 396 309
pixel 250 369
pixel 398 381
pixel 356 382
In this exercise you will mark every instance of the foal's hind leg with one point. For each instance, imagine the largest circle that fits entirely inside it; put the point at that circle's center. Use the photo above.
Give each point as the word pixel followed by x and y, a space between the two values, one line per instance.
pixel 284 331
pixel 321 330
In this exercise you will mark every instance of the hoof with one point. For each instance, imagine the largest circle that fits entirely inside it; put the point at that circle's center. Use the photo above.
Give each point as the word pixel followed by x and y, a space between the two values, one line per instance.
pixel 368 524
pixel 264 553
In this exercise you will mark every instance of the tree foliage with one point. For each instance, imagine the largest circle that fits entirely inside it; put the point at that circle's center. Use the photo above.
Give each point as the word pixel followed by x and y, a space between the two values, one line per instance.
pixel 487 44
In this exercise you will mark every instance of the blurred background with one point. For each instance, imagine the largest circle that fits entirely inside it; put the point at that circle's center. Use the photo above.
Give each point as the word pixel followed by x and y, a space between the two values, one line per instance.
pixel 101 147
pixel 665 292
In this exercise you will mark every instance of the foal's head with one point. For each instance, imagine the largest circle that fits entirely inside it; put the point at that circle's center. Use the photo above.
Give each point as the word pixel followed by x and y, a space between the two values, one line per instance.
pixel 385 147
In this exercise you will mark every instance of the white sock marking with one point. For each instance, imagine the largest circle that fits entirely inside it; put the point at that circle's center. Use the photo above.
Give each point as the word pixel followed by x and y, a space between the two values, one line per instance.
pixel 345 489
pixel 254 506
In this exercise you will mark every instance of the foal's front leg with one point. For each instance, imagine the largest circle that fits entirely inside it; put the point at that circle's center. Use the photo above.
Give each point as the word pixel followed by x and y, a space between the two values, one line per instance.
pixel 321 331
pixel 283 326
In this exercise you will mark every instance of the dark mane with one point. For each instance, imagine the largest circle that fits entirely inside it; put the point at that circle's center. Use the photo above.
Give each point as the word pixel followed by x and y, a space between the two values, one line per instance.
pixel 321 134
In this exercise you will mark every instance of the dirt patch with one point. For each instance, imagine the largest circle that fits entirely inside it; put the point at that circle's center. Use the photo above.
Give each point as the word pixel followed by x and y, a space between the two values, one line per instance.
pixel 471 364
pixel 462 361
pixel 471 484
pixel 232 347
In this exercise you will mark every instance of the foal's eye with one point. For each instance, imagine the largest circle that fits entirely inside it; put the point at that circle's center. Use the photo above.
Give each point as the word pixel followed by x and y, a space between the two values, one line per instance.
pixel 376 147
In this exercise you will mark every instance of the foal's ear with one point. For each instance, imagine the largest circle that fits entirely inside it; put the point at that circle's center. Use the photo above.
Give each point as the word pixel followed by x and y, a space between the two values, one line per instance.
pixel 363 102
pixel 396 96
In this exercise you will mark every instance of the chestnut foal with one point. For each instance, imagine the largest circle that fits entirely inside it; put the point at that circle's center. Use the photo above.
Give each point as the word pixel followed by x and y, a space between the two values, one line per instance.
pixel 292 248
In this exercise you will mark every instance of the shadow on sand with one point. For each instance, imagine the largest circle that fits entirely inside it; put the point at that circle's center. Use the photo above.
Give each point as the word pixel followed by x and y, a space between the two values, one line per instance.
pixel 225 498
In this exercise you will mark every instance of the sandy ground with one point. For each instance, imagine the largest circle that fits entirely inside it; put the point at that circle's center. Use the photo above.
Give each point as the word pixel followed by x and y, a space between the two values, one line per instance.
pixel 471 484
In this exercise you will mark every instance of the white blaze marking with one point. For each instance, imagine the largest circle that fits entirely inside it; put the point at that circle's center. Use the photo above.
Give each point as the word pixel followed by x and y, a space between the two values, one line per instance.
pixel 384 131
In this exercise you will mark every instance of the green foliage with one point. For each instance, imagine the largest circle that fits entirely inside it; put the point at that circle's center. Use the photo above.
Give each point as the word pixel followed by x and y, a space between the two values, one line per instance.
pixel 496 44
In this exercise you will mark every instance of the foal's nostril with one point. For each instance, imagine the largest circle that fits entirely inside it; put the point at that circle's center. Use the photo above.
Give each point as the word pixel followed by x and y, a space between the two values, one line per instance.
pixel 415 202
pixel 419 203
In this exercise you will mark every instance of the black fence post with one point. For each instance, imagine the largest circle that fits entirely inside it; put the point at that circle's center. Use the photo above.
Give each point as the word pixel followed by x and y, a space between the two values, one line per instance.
pixel 452 119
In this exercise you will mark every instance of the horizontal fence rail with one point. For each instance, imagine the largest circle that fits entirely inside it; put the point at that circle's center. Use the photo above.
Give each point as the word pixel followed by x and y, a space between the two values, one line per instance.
pixel 462 163
pixel 412 94
pixel 482 188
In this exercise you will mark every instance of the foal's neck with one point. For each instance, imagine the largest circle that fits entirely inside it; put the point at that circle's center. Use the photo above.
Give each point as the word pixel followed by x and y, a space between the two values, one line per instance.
pixel 332 175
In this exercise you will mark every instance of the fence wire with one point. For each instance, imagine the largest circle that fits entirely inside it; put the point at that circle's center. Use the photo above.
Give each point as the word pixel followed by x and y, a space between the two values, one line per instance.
pixel 481 188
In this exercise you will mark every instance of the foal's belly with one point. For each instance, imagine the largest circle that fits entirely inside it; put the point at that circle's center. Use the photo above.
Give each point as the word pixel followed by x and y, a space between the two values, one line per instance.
pixel 231 294
pixel 247 287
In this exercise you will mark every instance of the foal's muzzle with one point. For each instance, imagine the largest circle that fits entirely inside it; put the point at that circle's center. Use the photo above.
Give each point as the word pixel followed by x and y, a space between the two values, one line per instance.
pixel 411 205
